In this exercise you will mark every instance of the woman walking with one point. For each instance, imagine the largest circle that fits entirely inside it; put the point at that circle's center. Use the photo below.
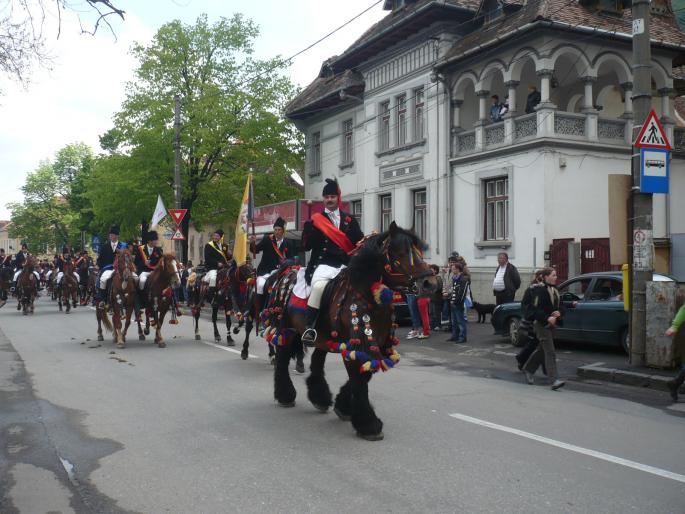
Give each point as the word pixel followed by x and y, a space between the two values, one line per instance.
pixel 544 309
pixel 526 331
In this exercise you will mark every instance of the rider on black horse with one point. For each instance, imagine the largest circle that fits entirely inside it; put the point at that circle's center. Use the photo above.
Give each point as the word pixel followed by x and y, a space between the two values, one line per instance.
pixel 275 249
pixel 331 236
pixel 147 257
pixel 216 257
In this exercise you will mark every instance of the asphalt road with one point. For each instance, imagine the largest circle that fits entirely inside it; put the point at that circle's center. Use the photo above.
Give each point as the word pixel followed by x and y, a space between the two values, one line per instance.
pixel 193 429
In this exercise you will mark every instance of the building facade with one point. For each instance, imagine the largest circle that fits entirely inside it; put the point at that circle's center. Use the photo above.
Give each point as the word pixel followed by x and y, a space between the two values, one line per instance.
pixel 404 119
pixel 10 245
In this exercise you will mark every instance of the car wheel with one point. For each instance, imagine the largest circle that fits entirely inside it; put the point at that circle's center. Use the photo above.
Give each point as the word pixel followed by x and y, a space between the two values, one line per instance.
pixel 625 340
pixel 513 324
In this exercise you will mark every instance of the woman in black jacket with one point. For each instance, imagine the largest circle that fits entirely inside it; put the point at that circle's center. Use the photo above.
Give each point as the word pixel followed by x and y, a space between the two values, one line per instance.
pixel 544 309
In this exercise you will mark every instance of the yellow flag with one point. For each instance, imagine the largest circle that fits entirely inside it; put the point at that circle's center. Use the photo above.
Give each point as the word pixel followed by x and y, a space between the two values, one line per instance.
pixel 242 226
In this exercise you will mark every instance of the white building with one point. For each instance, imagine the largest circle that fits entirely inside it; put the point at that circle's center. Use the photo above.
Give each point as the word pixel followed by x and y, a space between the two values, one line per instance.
pixel 402 119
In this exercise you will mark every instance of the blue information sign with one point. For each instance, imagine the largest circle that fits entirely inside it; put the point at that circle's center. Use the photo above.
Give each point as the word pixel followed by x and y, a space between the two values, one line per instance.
pixel 654 170
pixel 95 243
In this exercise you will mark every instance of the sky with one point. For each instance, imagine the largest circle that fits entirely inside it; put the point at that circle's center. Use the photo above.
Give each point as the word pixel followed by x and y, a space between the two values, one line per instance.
pixel 76 98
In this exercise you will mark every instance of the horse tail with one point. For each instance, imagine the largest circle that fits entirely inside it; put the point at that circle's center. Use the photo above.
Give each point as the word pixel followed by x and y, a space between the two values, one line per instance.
pixel 106 321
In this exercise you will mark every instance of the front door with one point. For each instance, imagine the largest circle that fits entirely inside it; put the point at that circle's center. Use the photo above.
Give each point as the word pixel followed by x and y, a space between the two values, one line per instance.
pixel 558 257
pixel 595 255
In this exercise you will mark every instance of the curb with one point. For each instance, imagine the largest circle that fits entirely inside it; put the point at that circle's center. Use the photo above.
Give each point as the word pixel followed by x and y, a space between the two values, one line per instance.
pixel 631 378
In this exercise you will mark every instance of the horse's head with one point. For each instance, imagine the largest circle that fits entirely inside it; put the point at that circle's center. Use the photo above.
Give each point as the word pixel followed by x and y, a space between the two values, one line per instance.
pixel 404 268
pixel 169 266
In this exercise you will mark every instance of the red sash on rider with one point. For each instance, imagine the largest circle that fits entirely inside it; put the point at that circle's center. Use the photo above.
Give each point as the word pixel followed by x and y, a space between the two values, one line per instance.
pixel 325 225
pixel 146 261
pixel 276 248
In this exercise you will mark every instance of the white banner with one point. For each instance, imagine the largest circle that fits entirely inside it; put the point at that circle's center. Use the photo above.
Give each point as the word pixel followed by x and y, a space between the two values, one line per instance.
pixel 160 212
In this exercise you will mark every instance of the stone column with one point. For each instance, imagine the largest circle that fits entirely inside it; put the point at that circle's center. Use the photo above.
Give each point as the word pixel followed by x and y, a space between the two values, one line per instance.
pixel 665 94
pixel 511 85
pixel 456 113
pixel 628 102
pixel 545 87
pixel 483 104
pixel 588 102
pixel 411 121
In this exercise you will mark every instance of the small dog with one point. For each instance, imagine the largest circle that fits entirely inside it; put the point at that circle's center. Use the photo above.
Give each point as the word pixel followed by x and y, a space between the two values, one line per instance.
pixel 482 309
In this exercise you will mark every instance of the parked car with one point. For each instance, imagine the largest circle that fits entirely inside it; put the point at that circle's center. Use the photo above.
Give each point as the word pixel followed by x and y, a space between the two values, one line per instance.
pixel 599 316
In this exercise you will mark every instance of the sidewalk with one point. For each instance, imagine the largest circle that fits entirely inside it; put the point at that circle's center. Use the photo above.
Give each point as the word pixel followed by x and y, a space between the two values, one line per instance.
pixel 628 375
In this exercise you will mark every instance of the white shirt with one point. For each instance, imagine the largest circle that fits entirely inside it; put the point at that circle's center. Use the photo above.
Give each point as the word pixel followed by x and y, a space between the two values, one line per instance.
pixel 334 217
pixel 150 249
pixel 278 242
pixel 498 283
pixel 114 245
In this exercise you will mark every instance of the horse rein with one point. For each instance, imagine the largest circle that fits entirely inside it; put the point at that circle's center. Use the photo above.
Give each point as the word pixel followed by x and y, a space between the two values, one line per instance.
pixel 395 268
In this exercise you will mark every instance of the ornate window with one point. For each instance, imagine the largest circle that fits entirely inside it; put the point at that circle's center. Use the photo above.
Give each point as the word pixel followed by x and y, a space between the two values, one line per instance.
pixel 386 212
pixel 419 205
pixel 384 132
pixel 401 102
pixel 348 143
pixel 496 209
pixel 418 114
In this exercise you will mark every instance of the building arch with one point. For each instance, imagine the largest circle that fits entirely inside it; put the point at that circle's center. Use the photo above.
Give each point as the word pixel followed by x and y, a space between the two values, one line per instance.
pixel 579 61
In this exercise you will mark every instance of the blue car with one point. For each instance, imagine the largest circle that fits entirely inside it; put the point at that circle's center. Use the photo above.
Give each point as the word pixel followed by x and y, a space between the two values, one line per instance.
pixel 598 317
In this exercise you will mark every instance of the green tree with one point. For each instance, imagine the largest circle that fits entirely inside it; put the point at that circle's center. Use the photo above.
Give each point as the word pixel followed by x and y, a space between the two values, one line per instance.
pixel 55 208
pixel 231 118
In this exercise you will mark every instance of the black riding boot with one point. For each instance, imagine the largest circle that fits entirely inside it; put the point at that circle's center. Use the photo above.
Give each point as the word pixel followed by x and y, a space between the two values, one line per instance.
pixel 309 336
pixel 674 385
pixel 14 286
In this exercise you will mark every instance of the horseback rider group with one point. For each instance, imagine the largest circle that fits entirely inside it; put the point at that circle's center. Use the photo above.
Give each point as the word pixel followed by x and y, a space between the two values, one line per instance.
pixel 275 250
pixel 105 261
pixel 19 262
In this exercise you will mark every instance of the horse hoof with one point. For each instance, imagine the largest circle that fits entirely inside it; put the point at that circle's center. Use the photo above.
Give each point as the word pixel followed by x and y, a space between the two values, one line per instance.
pixel 236 330
pixel 217 339
pixel 100 338
pixel 243 355
pixel 141 337
pixel 341 416
pixel 161 344
pixel 121 345
pixel 273 361
pixel 286 405
pixel 146 331
pixel 371 437
pixel 321 408
pixel 299 367
pixel 230 342
pixel 197 337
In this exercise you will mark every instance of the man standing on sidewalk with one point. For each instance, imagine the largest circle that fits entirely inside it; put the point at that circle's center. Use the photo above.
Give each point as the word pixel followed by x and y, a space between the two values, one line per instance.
pixel 674 385
pixel 507 280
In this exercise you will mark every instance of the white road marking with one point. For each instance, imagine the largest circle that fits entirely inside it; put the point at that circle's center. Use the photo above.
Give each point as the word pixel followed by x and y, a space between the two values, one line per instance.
pixel 232 350
pixel 571 447
pixel 510 354
pixel 595 365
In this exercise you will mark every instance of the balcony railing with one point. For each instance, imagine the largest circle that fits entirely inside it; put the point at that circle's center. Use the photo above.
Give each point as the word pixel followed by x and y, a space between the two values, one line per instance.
pixel 549 123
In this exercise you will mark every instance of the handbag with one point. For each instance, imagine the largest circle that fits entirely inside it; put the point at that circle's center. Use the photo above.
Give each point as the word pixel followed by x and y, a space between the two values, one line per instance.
pixel 468 301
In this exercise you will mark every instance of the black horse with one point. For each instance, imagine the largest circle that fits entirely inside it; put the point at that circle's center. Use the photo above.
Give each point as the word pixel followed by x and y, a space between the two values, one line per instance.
pixel 220 297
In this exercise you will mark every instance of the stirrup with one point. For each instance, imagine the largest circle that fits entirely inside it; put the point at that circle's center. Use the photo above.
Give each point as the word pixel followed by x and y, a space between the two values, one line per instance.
pixel 309 336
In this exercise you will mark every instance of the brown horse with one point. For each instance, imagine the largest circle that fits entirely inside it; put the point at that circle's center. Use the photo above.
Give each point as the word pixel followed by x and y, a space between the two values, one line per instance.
pixel 159 296
pixel 356 320
pixel 68 289
pixel 27 286
pixel 122 299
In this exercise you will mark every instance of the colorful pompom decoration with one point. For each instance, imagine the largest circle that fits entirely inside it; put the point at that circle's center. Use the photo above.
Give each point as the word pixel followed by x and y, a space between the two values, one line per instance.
pixel 382 294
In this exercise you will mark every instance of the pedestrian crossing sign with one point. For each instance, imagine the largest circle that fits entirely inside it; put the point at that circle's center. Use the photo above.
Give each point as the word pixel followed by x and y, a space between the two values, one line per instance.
pixel 178 235
pixel 652 134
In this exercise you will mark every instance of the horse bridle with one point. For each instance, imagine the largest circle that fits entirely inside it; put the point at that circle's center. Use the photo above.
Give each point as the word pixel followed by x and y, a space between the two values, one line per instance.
pixel 393 267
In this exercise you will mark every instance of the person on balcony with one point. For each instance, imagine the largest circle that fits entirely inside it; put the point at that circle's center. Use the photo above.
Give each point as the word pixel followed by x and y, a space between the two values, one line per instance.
pixel 533 99
pixel 495 109
pixel 504 107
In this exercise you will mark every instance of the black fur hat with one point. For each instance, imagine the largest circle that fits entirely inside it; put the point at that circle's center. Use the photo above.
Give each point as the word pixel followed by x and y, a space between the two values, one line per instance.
pixel 220 232
pixel 114 229
pixel 280 222
pixel 152 236
pixel 331 188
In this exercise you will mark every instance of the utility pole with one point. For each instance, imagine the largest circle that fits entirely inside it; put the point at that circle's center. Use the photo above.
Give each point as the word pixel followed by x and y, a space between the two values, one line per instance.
pixel 177 166
pixel 641 203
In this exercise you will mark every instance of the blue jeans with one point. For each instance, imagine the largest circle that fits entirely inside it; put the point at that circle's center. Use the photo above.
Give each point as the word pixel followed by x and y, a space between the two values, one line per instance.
pixel 446 316
pixel 414 312
pixel 435 311
pixel 458 316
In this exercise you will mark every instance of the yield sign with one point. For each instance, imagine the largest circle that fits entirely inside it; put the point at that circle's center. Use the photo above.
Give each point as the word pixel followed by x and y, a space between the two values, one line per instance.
pixel 178 235
pixel 652 134
pixel 177 215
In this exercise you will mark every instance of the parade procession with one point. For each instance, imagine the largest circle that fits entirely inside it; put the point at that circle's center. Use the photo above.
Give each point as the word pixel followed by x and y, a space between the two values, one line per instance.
pixel 336 257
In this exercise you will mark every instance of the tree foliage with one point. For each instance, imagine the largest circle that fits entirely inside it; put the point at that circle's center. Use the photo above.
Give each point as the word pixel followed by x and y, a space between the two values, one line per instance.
pixel 231 119
pixel 55 208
